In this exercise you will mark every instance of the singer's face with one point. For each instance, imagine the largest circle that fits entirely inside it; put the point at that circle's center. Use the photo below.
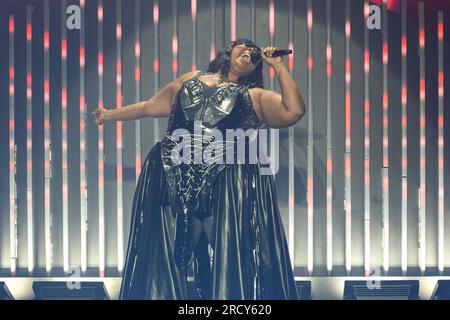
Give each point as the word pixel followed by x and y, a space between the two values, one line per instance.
pixel 241 63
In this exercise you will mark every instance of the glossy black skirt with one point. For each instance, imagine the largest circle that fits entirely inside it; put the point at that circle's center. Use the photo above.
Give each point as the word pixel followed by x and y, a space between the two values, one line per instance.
pixel 244 256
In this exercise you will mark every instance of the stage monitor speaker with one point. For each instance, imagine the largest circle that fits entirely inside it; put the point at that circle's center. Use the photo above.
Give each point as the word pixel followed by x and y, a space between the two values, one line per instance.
pixel 62 290
pixel 442 290
pixel 303 290
pixel 381 290
pixel 5 294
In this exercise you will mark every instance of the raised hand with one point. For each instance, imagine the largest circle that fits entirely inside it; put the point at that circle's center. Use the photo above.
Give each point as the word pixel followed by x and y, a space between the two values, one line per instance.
pixel 99 115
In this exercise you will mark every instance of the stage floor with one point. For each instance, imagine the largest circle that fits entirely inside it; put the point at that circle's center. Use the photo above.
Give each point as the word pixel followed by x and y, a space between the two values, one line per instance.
pixel 323 288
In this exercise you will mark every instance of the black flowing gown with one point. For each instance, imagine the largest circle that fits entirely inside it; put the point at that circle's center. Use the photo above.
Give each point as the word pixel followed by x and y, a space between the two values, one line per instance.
pixel 217 223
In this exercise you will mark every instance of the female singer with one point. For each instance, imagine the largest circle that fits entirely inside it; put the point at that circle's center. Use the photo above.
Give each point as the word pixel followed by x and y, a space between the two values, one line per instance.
pixel 218 223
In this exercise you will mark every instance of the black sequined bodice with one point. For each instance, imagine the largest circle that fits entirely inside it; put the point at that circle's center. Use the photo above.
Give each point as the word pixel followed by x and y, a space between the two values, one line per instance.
pixel 225 107
pixel 198 109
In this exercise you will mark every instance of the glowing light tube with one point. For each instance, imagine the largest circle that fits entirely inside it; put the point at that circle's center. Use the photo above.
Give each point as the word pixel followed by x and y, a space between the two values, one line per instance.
pixel 120 235
pixel 310 148
pixel 273 132
pixel 12 156
pixel 83 155
pixel 212 46
pixel 404 48
pixel 329 164
pixel 137 87
pixel 233 20
pixel 348 145
pixel 47 146
pixel 272 37
pixel 253 19
pixel 156 63
pixel 441 208
pixel 175 38
pixel 385 167
pixel 65 174
pixel 30 218
pixel 367 261
pixel 101 150
pixel 291 181
pixel 422 155
pixel 194 34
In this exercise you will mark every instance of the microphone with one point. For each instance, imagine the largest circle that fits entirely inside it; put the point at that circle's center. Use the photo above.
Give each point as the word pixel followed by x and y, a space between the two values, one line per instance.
pixel 256 55
pixel 281 52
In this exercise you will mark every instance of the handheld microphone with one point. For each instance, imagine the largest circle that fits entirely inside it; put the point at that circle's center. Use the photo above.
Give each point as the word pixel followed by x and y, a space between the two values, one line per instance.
pixel 281 52
pixel 256 55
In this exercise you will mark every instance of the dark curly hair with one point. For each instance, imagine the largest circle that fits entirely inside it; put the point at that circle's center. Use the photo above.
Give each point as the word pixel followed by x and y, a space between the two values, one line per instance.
pixel 222 62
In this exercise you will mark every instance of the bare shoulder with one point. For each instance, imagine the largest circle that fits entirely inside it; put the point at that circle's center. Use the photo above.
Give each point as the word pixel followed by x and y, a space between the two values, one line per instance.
pixel 255 95
pixel 178 82
pixel 186 76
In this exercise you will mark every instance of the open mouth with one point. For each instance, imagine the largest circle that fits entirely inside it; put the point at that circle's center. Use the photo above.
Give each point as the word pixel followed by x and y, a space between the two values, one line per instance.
pixel 245 57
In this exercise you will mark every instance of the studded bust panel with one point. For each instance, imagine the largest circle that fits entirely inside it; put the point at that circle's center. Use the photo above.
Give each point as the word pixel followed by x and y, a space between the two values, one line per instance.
pixel 229 107
pixel 189 184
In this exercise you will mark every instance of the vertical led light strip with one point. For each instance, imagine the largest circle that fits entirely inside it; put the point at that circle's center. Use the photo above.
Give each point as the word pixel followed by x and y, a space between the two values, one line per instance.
pixel 385 167
pixel 12 157
pixel 65 181
pixel 404 49
pixel 310 189
pixel 291 180
pixel 253 19
pixel 175 39
pixel 274 133
pixel 119 137
pixel 212 46
pixel 194 34
pixel 367 261
pixel 30 223
pixel 329 146
pixel 47 144
pixel 101 151
pixel 441 207
pixel 137 85
pixel 348 146
pixel 83 184
pixel 272 36
pixel 422 190
pixel 233 20
pixel 156 63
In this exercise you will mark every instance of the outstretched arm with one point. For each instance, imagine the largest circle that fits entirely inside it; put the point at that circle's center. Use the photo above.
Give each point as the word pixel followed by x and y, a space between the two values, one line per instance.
pixel 285 109
pixel 157 106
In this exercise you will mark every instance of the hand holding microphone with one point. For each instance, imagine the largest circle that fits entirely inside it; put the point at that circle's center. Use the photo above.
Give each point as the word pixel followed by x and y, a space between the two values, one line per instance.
pixel 271 55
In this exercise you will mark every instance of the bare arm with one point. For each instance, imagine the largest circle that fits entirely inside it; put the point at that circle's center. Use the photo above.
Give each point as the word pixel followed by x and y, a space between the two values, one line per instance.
pixel 157 106
pixel 285 109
